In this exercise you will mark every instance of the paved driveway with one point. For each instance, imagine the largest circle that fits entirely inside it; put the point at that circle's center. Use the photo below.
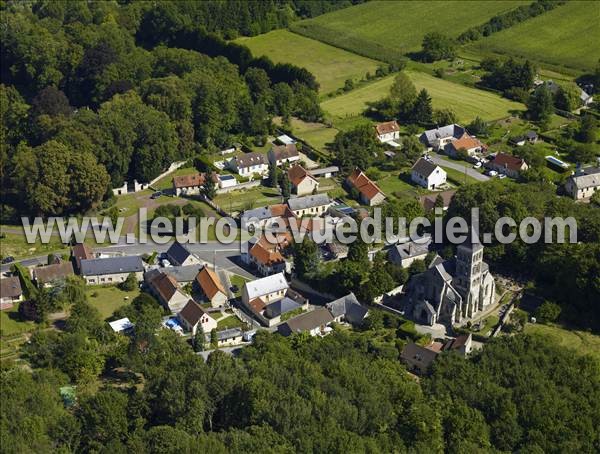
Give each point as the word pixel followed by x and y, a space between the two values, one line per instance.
pixel 460 167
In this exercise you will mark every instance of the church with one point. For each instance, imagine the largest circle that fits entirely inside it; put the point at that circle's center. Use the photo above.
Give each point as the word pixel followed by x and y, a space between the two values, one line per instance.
pixel 451 291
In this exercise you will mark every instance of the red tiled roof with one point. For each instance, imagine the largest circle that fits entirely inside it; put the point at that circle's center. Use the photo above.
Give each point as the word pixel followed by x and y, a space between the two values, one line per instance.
pixel 257 304
pixel 508 162
pixel 265 256
pixel 467 142
pixel 82 251
pixel 297 174
pixel 387 127
pixel 210 282
pixel 165 285
pixel 363 184
pixel 191 181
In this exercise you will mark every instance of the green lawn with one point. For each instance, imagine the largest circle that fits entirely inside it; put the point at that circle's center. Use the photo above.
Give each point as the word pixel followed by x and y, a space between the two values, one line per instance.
pixel 466 102
pixel 397 184
pixel 16 245
pixel 167 182
pixel 247 199
pixel 109 298
pixel 317 135
pixel 581 341
pixel 564 36
pixel 11 323
pixel 330 65
pixel 386 30
pixel 239 281
pixel 229 322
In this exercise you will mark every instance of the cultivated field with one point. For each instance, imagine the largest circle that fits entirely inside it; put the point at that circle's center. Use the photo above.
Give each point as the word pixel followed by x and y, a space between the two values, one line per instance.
pixel 566 36
pixel 387 30
pixel 465 101
pixel 330 65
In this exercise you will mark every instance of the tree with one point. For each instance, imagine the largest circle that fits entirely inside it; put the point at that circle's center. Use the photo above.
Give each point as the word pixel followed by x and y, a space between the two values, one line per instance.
pixel 214 340
pixel 444 117
pixel 540 105
pixel 274 175
pixel 306 257
pixel 286 187
pixel 437 46
pixel 198 341
pixel 51 101
pixel 478 127
pixel 422 110
pixel 129 284
pixel 356 147
pixel 567 97
pixel 402 96
pixel 209 188
pixel 583 153
pixel 588 129
pixel 548 312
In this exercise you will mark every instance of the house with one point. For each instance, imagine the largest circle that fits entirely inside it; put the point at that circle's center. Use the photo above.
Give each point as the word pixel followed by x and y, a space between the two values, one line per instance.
pixel 193 316
pixel 583 183
pixel 463 344
pixel 275 310
pixel 266 216
pixel 227 181
pixel 303 183
pixel 123 325
pixel 80 252
pixel 166 289
pixel 369 192
pixel 427 174
pixel 418 359
pixel 468 143
pixel 348 309
pixel 443 198
pixel 10 292
pixel 283 154
pixel 310 205
pixel 228 337
pixel 314 322
pixel 179 255
pixel 45 275
pixel 453 290
pixel 325 172
pixel 249 164
pixel 388 132
pixel 586 99
pixel 266 257
pixel 184 274
pixel 268 289
pixel 529 137
pixel 191 184
pixel 211 287
pixel 438 138
pixel 111 270
pixel 406 253
pixel 510 165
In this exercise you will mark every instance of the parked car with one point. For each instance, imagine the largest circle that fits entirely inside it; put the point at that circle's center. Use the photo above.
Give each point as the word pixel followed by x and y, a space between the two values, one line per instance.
pixel 156 195
pixel 502 175
pixel 234 288
pixel 492 173
pixel 8 259
pixel 477 165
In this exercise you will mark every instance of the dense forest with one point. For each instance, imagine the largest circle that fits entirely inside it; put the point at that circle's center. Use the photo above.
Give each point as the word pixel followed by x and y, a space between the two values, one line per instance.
pixel 343 393
pixel 94 94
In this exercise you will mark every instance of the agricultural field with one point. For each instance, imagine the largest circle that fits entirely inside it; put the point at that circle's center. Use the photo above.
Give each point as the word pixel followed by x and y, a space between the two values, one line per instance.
pixel 387 30
pixel 564 36
pixel 466 102
pixel 330 65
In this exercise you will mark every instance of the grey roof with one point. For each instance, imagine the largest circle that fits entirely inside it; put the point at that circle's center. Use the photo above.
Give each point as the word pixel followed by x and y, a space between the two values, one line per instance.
pixel 453 130
pixel 258 213
pixel 424 167
pixel 306 322
pixel 178 253
pixel 229 334
pixel 588 180
pixel 112 265
pixel 348 307
pixel 281 307
pixel 531 134
pixel 447 269
pixel 309 201
pixel 323 171
pixel 408 250
pixel 250 159
pixel 184 273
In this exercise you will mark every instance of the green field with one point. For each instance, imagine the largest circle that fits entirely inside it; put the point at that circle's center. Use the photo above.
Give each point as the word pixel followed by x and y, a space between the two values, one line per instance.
pixel 246 199
pixel 564 36
pixel 580 341
pixel 330 65
pixel 387 30
pixel 109 298
pixel 317 135
pixel 466 102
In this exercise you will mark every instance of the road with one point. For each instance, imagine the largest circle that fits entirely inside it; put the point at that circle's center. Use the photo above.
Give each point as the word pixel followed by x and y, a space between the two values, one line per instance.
pixel 460 167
